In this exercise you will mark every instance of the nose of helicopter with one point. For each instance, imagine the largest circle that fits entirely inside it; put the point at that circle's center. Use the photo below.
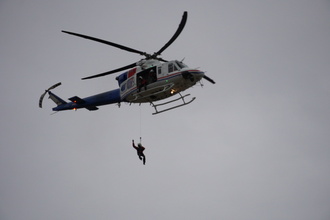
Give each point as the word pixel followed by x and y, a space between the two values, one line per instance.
pixel 198 74
pixel 201 74
pixel 193 75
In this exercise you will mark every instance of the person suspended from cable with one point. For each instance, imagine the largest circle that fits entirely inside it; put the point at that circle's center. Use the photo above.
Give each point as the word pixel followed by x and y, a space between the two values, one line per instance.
pixel 140 150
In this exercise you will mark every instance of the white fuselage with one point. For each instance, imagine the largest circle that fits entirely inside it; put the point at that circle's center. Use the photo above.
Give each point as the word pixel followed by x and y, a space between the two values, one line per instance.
pixel 158 82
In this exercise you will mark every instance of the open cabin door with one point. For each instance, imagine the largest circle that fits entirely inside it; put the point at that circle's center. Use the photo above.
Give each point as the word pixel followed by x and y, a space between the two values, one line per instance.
pixel 146 77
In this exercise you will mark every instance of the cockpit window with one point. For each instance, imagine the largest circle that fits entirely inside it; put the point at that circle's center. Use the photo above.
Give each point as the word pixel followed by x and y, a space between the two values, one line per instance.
pixel 172 67
pixel 180 64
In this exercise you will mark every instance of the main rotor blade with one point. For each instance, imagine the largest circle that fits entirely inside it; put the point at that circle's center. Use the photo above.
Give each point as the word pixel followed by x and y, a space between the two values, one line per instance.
pixel 112 71
pixel 107 42
pixel 209 79
pixel 176 34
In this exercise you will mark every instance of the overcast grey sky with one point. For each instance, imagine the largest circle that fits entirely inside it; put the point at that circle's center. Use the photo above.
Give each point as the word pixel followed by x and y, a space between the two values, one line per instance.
pixel 253 146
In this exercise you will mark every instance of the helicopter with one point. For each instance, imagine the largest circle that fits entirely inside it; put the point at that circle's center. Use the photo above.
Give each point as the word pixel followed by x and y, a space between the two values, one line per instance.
pixel 147 81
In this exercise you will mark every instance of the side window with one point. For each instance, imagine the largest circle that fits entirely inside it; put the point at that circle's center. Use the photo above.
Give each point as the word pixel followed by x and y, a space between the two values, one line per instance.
pixel 123 87
pixel 159 70
pixel 170 67
pixel 130 83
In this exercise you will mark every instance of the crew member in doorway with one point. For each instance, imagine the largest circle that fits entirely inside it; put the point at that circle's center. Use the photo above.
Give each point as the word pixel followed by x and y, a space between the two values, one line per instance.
pixel 142 83
pixel 140 150
pixel 152 76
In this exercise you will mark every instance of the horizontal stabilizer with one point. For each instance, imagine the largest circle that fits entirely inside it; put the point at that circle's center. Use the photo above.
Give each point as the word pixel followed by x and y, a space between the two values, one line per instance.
pixel 80 101
pixel 77 100
pixel 92 108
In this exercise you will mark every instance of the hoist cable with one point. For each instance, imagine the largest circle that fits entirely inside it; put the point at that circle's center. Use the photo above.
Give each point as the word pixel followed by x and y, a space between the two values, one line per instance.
pixel 140 126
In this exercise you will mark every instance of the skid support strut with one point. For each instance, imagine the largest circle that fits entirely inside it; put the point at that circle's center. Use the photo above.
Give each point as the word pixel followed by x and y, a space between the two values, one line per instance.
pixel 174 100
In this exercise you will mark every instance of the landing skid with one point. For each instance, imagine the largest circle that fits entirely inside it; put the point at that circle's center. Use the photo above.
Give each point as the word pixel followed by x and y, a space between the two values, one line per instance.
pixel 174 100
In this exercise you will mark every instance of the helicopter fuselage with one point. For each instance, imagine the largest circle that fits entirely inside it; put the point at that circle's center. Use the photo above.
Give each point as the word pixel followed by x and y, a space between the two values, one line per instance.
pixel 157 82
pixel 147 83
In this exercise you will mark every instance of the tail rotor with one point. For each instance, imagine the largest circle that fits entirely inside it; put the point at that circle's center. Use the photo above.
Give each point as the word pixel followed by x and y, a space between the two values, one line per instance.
pixel 46 91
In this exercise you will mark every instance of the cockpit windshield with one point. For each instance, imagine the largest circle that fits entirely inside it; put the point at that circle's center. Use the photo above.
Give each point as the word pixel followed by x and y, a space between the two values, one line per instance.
pixel 180 64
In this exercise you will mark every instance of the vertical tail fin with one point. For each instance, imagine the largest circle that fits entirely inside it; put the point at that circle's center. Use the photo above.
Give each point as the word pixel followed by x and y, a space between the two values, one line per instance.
pixel 56 99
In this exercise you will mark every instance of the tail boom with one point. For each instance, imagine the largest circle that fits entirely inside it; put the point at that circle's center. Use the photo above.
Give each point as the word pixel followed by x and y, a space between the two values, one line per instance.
pixel 91 102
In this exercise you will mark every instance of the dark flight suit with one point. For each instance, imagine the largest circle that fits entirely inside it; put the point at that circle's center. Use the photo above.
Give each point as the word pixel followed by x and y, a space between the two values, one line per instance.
pixel 140 153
